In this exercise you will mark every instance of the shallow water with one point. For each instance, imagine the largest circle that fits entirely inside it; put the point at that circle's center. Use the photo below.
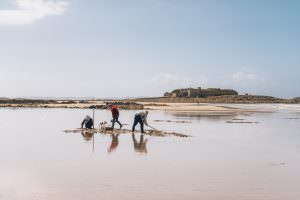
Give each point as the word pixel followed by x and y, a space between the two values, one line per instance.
pixel 221 161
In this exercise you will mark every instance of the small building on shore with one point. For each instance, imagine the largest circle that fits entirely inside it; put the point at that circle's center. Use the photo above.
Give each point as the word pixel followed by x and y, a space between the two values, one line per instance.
pixel 199 92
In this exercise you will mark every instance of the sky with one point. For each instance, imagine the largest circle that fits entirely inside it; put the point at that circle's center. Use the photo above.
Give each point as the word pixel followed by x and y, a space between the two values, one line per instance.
pixel 133 48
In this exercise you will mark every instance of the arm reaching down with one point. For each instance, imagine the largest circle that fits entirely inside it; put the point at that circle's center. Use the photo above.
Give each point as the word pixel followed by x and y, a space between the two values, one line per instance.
pixel 145 118
pixel 145 122
pixel 82 123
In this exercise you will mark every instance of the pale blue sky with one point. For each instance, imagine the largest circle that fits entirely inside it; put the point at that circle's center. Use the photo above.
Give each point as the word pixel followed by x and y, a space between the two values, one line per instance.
pixel 118 48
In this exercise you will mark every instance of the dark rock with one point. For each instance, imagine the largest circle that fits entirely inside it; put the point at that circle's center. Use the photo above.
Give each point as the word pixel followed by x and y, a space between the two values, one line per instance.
pixel 296 100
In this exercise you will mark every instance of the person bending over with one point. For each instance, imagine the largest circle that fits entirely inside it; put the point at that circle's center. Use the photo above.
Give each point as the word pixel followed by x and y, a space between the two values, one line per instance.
pixel 140 118
pixel 87 122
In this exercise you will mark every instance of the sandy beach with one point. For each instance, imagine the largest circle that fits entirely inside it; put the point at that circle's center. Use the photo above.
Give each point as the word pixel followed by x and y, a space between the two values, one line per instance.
pixel 229 161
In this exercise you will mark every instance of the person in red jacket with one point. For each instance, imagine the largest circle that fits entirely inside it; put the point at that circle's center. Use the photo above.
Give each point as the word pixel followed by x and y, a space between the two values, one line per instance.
pixel 115 115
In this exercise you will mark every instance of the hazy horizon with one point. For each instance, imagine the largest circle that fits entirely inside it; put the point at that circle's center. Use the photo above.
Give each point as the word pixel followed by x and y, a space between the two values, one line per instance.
pixel 73 48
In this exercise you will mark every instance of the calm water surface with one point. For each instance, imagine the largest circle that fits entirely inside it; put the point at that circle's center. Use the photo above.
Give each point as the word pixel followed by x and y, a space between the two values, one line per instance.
pixel 221 160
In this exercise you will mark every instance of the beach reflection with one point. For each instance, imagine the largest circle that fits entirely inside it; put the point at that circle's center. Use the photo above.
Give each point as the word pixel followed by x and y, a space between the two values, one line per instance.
pixel 141 145
pixel 114 143
pixel 232 161
pixel 87 136
pixel 203 116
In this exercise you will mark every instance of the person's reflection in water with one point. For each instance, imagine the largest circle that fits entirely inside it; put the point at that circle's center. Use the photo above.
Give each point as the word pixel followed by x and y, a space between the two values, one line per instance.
pixel 87 136
pixel 140 146
pixel 114 143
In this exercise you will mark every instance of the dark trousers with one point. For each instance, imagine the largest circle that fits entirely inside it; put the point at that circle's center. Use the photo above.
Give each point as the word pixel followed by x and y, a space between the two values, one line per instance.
pixel 114 120
pixel 89 124
pixel 138 119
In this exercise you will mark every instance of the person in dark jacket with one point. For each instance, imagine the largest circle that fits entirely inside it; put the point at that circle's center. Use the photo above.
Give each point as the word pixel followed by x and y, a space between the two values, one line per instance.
pixel 115 115
pixel 87 122
pixel 140 118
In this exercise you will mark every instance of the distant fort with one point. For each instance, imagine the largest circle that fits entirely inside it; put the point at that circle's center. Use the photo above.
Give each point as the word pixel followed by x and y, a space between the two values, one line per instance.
pixel 199 92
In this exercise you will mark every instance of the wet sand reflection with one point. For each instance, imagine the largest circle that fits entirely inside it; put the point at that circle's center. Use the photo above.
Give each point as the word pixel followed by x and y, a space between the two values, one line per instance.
pixel 203 116
pixel 87 136
pixel 114 143
pixel 141 146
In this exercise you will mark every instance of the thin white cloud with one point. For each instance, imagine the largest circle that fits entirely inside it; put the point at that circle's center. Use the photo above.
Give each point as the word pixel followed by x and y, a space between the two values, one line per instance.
pixel 169 80
pixel 247 82
pixel 164 82
pixel 241 76
pixel 30 11
pixel 248 78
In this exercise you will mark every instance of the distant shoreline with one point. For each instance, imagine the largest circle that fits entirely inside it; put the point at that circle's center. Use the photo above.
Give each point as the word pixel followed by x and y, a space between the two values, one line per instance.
pixel 154 103
pixel 225 99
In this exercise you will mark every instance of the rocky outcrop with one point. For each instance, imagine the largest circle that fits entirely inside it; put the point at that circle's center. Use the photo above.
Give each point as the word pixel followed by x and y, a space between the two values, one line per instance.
pixel 199 92
pixel 26 101
pixel 125 105
pixel 82 104
pixel 296 100
pixel 228 99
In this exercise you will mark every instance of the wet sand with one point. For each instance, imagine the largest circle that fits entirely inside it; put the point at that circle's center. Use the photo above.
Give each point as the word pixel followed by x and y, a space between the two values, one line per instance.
pixel 156 133
pixel 198 108
pixel 228 161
